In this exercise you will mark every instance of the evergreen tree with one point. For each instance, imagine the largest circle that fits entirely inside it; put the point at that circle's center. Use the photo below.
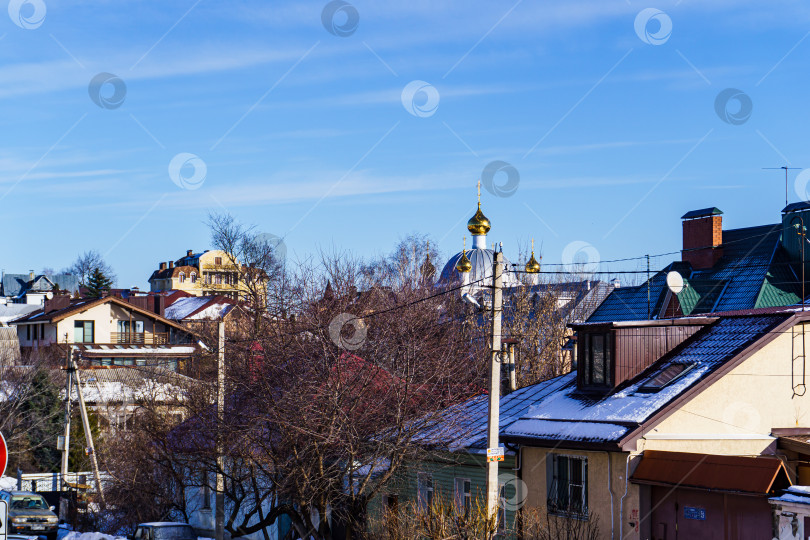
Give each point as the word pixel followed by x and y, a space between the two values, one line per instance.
pixel 42 421
pixel 98 284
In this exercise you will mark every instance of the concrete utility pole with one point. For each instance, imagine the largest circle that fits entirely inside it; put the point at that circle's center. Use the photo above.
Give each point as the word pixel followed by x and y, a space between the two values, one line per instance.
pixel 65 443
pixel 220 491
pixel 494 387
pixel 88 435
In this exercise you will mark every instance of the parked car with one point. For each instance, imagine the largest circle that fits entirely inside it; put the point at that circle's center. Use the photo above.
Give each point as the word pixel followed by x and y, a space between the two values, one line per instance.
pixel 164 530
pixel 29 514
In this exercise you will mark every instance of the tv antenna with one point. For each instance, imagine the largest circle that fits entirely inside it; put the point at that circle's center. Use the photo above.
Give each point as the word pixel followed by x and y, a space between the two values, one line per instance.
pixel 786 169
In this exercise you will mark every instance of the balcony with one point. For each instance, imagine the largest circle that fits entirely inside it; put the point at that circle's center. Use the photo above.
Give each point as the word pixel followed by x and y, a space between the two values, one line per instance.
pixel 140 338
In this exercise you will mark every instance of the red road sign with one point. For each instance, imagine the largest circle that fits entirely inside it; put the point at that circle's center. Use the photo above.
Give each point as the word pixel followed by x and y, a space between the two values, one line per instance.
pixel 3 455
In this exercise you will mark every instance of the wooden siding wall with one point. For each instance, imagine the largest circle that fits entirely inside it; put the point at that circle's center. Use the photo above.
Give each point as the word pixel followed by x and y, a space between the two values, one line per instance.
pixel 637 348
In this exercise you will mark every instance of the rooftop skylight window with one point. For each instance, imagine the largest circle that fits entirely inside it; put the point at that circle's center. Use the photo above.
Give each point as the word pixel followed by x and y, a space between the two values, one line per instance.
pixel 664 377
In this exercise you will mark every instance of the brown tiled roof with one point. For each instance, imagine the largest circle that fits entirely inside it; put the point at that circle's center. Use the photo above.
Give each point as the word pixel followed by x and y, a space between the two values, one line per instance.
pixel 760 475
pixel 77 306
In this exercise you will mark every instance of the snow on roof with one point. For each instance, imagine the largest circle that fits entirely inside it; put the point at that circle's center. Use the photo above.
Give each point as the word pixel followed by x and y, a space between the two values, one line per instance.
pixel 569 414
pixel 794 494
pixel 131 384
pixel 9 312
pixel 214 311
pixel 465 425
pixel 183 307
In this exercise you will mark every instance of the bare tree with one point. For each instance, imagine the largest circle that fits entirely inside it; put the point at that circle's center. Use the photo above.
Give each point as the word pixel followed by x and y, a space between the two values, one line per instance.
pixel 86 263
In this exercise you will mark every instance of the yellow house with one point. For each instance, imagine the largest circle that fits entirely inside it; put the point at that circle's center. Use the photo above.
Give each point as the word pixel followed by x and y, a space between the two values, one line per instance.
pixel 210 273
pixel 672 428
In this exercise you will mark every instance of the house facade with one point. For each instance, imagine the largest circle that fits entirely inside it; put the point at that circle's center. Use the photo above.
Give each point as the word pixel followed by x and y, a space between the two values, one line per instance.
pixel 210 273
pixel 671 429
pixel 106 331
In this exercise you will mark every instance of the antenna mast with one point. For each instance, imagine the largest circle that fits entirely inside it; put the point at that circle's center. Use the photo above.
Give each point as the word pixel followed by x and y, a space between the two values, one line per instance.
pixel 786 169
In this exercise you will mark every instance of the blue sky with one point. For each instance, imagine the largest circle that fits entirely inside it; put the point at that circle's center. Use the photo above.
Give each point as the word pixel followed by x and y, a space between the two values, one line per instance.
pixel 304 133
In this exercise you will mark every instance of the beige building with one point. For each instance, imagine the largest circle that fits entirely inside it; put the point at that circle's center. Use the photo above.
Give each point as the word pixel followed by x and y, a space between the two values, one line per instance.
pixel 107 331
pixel 210 273
pixel 673 428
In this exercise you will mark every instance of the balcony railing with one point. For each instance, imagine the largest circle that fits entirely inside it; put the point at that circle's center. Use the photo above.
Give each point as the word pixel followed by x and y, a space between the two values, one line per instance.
pixel 140 338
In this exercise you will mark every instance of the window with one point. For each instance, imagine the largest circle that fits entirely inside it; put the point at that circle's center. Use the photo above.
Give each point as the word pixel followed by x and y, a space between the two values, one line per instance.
pixel 567 484
pixel 218 261
pixel 463 496
pixel 181 277
pixel 36 328
pixel 208 279
pixel 597 360
pixel 28 332
pixel 193 277
pixel 424 485
pixel 83 332
pixel 206 491
pixel 664 377
pixel 218 279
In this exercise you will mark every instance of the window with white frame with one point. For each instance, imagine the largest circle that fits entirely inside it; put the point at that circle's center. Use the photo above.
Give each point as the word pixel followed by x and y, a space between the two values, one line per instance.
pixel 193 277
pixel 567 484
pixel 424 487
pixel 463 490
pixel 181 277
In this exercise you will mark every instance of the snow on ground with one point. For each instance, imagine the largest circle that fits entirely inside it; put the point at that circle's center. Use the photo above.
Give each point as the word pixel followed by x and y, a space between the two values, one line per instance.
pixel 8 483
pixel 73 535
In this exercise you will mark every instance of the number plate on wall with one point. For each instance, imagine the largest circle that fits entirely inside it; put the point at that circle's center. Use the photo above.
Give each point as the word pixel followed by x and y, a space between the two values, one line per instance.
pixel 692 512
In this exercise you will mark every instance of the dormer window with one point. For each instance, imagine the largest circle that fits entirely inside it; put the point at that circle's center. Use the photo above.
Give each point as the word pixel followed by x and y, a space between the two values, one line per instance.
pixel 193 277
pixel 596 360
pixel 181 277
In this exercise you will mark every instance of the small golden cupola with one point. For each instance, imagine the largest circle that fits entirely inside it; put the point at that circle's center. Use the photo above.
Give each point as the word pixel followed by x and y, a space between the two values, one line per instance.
pixel 533 267
pixel 479 225
pixel 464 265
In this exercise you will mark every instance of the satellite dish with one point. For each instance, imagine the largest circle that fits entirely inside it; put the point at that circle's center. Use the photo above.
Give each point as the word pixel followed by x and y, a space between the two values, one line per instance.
pixel 675 282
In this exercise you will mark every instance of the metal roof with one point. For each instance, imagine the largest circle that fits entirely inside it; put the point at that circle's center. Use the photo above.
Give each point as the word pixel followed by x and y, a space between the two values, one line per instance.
pixel 760 475
pixel 796 207
pixel 703 212
pixel 582 417
pixel 754 272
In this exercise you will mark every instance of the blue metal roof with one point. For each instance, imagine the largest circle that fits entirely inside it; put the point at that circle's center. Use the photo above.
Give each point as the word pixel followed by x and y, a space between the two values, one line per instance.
pixel 753 272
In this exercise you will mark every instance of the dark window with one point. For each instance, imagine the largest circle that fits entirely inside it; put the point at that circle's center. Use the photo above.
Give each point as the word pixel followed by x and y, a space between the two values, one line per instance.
pixel 218 260
pixel 597 360
pixel 28 332
pixel 567 484
pixel 206 491
pixel 664 377
pixel 36 328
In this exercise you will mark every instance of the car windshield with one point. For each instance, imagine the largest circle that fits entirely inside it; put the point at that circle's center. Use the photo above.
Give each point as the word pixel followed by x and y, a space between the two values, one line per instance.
pixel 173 532
pixel 28 502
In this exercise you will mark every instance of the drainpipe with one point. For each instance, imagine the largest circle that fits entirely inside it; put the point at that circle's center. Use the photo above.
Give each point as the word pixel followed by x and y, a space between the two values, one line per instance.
pixel 626 485
pixel 612 495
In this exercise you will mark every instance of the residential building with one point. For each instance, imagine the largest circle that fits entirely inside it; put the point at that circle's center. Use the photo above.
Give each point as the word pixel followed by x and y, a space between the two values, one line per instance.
pixel 747 268
pixel 34 288
pixel 108 331
pixel 210 273
pixel 672 425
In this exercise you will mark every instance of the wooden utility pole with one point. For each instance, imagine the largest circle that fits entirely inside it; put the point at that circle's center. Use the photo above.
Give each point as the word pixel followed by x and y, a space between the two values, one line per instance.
pixel 88 435
pixel 494 389
pixel 220 491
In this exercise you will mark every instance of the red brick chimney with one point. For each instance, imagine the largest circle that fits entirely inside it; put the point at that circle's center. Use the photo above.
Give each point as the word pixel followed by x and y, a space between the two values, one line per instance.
pixel 171 264
pixel 702 237
pixel 163 266
pixel 189 253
